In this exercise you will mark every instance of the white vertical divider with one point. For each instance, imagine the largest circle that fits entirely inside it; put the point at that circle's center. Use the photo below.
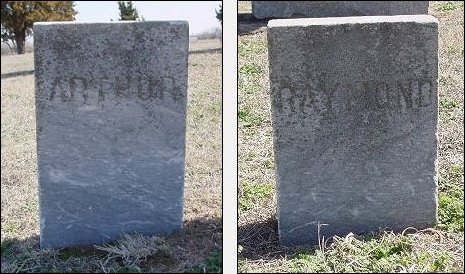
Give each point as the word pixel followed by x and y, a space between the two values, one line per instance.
pixel 229 136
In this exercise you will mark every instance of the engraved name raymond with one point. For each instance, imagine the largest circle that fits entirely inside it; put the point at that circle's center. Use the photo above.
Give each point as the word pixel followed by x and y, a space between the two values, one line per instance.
pixel 97 90
pixel 325 96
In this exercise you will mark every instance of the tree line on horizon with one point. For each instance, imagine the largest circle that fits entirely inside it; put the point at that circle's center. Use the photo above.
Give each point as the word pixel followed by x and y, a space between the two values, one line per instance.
pixel 18 17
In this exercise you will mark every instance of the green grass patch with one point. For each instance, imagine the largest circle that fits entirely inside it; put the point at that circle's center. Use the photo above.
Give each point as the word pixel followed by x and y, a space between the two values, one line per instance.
pixel 251 73
pixel 449 5
pixel 6 247
pixel 450 211
pixel 440 262
pixel 457 171
pixel 442 82
pixel 253 193
pixel 248 119
pixel 249 69
pixel 11 228
pixel 453 49
pixel 250 85
pixel 248 48
pixel 450 200
pixel 388 253
pixel 450 183
pixel 306 262
pixel 269 164
pixel 447 108
pixel 213 264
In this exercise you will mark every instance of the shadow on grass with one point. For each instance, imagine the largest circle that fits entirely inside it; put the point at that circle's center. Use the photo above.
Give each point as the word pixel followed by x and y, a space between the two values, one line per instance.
pixel 190 248
pixel 216 50
pixel 248 24
pixel 17 73
pixel 260 241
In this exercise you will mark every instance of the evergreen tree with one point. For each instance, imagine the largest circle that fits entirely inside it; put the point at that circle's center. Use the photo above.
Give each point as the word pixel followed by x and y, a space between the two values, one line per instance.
pixel 127 11
pixel 219 14
pixel 19 16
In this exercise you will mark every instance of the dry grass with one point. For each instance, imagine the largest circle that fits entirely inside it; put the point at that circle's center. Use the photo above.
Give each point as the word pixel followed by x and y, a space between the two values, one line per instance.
pixel 244 6
pixel 190 249
pixel 208 44
pixel 135 249
pixel 5 50
pixel 437 250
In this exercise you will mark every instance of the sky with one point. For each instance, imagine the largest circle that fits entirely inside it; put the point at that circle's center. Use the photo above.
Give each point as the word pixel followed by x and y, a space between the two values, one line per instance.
pixel 200 14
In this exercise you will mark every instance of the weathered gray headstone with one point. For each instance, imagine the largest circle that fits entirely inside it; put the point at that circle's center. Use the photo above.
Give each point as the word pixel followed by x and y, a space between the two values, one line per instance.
pixel 111 113
pixel 354 104
pixel 288 9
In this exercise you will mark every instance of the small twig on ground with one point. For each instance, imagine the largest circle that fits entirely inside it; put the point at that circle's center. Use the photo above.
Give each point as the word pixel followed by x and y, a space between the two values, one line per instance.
pixel 321 241
pixel 439 233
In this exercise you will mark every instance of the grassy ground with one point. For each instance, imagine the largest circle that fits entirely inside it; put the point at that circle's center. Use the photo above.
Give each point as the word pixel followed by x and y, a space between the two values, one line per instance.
pixel 439 249
pixel 197 248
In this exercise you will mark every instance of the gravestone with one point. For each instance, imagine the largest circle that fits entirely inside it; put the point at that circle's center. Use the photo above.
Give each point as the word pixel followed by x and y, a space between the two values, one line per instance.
pixel 287 9
pixel 354 108
pixel 111 115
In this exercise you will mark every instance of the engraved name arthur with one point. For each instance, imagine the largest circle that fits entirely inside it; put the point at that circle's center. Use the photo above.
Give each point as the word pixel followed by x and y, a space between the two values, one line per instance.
pixel 97 90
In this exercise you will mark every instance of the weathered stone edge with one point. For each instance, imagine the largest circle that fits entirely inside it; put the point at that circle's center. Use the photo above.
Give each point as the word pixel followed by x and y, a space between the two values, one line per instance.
pixel 171 22
pixel 325 21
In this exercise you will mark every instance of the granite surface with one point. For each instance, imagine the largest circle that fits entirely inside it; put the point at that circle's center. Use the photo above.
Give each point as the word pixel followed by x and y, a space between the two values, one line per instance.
pixel 111 122
pixel 288 9
pixel 354 108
